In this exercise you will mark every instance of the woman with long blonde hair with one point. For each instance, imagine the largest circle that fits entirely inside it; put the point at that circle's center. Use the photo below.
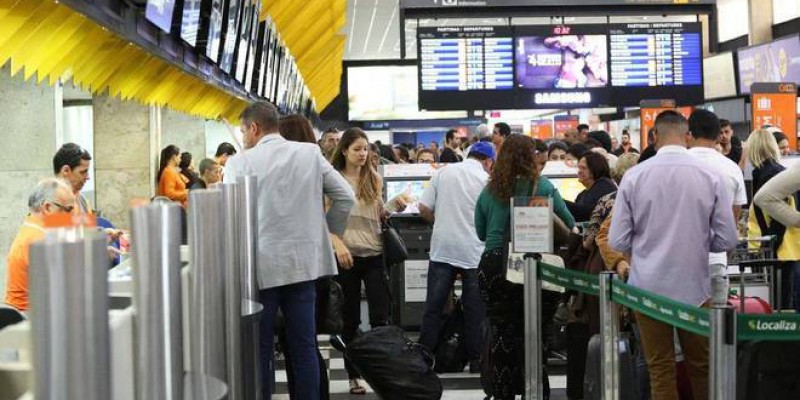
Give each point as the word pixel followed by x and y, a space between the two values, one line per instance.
pixel 360 252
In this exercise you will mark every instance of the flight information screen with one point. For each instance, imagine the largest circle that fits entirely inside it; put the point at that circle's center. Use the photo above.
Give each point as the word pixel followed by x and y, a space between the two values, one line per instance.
pixel 466 58
pixel 657 54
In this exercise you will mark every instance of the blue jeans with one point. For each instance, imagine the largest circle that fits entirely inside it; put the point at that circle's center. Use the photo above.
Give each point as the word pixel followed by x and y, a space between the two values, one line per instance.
pixel 297 303
pixel 440 280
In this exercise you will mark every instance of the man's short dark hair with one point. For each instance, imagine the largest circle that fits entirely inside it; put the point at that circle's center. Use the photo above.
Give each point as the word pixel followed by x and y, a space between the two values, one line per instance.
pixel 723 123
pixel 671 122
pixel 477 156
pixel 540 145
pixel 582 127
pixel 70 154
pixel 603 138
pixel 264 114
pixel 225 149
pixel 206 165
pixel 450 135
pixel 503 129
pixel 704 124
pixel 577 150
pixel 592 143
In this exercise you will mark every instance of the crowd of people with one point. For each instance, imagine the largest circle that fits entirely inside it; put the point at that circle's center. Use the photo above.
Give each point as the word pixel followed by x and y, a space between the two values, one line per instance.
pixel 663 220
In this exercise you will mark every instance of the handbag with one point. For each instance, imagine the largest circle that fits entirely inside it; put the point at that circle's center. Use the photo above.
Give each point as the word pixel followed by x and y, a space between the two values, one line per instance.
pixel 330 302
pixel 394 248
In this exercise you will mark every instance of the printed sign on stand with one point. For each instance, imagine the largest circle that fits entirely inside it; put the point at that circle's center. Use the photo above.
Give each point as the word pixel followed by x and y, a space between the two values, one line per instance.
pixel 416 281
pixel 775 104
pixel 531 232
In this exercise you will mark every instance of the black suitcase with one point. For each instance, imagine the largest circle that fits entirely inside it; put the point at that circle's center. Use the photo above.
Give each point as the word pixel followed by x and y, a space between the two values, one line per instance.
pixel 395 367
pixel 768 370
pixel 629 389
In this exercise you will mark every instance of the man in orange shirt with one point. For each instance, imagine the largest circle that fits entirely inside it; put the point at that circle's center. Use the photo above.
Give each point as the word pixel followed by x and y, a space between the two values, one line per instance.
pixel 51 195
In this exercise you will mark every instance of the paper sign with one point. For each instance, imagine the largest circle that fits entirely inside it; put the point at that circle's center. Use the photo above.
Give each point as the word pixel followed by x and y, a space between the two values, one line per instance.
pixel 532 225
pixel 416 281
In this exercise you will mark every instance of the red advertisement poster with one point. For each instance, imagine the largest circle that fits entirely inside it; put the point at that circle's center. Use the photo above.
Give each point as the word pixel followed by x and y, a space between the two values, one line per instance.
pixel 541 129
pixel 775 104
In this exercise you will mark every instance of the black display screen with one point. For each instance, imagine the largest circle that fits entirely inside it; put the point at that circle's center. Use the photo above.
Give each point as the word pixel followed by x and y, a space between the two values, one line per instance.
pixel 559 66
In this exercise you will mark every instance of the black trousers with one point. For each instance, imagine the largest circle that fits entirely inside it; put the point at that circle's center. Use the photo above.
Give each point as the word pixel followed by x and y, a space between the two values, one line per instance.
pixel 505 309
pixel 372 271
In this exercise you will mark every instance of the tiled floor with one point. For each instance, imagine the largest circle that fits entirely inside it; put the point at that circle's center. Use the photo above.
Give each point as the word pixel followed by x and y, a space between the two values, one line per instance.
pixel 461 386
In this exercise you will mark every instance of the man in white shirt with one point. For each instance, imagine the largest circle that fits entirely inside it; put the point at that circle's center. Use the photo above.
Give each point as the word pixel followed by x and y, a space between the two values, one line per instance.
pixel 449 202
pixel 294 245
pixel 704 127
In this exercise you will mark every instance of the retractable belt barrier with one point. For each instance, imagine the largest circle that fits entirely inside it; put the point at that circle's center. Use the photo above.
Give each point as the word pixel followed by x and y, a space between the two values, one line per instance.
pixel 780 327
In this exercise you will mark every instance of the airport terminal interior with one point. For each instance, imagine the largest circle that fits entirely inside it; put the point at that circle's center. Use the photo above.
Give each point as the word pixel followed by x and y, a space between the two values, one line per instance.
pixel 399 199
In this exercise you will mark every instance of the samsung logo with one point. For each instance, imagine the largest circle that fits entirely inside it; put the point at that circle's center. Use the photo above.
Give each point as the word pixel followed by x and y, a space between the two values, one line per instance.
pixel 563 98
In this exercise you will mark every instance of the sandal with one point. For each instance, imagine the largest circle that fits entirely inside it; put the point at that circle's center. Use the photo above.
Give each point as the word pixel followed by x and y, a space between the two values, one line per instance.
pixel 356 388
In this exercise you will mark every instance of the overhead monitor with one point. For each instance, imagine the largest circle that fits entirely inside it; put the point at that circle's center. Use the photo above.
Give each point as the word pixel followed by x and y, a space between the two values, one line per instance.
pixel 558 66
pixel 777 61
pixel 719 79
pixel 190 24
pixel 232 20
pixel 253 45
pixel 215 30
pixel 561 65
pixel 646 58
pixel 397 99
pixel 465 67
pixel 160 13
pixel 243 47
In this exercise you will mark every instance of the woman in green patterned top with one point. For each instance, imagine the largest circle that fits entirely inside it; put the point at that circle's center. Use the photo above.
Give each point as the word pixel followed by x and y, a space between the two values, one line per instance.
pixel 514 174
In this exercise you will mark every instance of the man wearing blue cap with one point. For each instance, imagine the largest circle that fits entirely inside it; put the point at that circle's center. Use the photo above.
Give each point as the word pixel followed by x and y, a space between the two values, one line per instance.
pixel 449 202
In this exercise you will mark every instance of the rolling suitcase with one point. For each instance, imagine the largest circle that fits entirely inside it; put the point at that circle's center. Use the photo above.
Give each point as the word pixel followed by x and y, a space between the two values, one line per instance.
pixel 395 367
pixel 629 390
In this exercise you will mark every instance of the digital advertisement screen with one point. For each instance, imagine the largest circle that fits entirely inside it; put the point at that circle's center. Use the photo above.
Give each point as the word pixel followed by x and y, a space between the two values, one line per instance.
pixel 233 18
pixel 160 13
pixel 190 24
pixel 469 65
pixel 777 61
pixel 397 99
pixel 561 62
pixel 719 78
pixel 559 66
pixel 214 30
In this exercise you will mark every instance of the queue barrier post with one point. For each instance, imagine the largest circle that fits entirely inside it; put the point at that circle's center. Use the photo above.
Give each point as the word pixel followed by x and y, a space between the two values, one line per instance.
pixel 722 352
pixel 534 388
pixel 157 297
pixel 609 333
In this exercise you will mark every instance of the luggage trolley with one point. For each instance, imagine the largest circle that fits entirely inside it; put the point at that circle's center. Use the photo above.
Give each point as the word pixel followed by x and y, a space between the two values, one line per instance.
pixel 757 266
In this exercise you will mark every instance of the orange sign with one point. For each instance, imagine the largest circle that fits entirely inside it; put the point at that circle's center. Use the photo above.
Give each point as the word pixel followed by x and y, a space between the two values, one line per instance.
pixel 650 110
pixel 541 129
pixel 563 123
pixel 775 104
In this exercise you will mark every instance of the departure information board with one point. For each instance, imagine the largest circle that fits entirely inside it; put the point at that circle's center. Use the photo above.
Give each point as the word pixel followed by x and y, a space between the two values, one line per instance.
pixel 558 66
pixel 466 58
pixel 658 54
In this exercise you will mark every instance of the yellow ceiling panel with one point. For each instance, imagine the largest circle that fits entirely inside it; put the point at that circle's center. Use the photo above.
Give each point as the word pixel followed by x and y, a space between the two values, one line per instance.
pixel 47 39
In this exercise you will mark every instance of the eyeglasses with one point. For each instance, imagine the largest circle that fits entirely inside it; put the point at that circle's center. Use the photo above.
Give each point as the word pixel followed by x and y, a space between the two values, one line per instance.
pixel 67 209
